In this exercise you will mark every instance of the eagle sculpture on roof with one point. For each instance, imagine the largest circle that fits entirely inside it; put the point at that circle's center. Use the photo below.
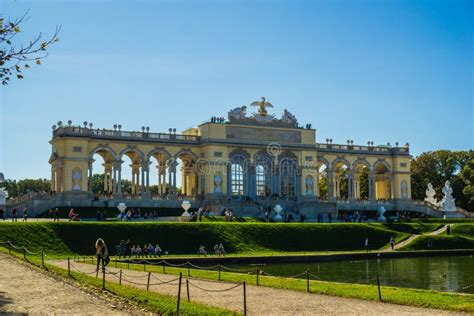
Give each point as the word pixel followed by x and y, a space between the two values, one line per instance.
pixel 262 106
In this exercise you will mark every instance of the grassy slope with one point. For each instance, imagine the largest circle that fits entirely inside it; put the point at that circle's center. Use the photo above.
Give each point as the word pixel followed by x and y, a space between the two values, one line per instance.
pixel 185 238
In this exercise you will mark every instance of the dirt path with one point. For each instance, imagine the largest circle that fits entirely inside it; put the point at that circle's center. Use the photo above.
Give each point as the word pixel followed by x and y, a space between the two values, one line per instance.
pixel 24 290
pixel 260 300
pixel 413 237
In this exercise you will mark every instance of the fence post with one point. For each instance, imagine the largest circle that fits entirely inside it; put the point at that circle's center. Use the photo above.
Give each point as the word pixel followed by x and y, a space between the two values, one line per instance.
pixel 258 272
pixel 307 280
pixel 144 267
pixel 103 278
pixel 116 262
pixel 148 282
pixel 24 253
pixel 245 300
pixel 179 292
pixel 187 289
pixel 9 248
pixel 120 277
pixel 219 272
pixel 42 258
pixel 68 267
pixel 378 285
pixel 128 264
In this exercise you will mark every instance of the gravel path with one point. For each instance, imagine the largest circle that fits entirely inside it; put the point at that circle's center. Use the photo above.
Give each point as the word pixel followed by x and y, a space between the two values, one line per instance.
pixel 260 300
pixel 414 236
pixel 24 290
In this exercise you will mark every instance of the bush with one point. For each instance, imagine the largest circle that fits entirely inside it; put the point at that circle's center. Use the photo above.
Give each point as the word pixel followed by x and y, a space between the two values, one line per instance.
pixel 185 238
pixel 440 243
pixel 465 230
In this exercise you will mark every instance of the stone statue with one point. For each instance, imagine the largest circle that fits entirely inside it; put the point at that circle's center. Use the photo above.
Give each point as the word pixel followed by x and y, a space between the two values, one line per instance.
pixel 288 118
pixel 238 113
pixel 262 106
pixel 309 185
pixel 217 183
pixel 430 195
pixel 76 178
pixel 447 203
pixel 404 189
pixel 278 209
pixel 380 214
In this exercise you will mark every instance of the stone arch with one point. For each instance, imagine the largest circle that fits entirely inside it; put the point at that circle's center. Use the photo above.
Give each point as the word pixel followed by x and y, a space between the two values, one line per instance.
pixel 102 148
pixel 324 161
pixel 188 152
pixel 340 160
pixel 132 149
pixel 361 161
pixel 381 162
pixel 239 152
pixel 166 154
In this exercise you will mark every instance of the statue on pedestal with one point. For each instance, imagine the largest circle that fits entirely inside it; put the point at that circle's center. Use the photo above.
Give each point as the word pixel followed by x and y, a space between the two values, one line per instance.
pixel 380 214
pixel 447 203
pixel 309 185
pixel 217 183
pixel 430 195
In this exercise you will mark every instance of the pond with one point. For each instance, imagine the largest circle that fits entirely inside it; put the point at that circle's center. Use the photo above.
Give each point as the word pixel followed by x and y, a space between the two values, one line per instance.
pixel 447 274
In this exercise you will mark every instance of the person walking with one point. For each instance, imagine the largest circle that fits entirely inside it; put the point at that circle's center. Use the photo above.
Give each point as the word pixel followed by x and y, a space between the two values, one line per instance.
pixel 25 214
pixel 366 244
pixel 14 215
pixel 448 230
pixel 392 242
pixel 101 253
pixel 56 215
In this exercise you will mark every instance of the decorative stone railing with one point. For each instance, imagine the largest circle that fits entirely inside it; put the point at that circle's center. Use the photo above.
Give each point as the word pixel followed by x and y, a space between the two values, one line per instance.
pixel 377 149
pixel 119 134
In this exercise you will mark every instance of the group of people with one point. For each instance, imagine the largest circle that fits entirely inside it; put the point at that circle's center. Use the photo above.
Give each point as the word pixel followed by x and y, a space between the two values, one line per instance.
pixel 15 215
pixel 219 250
pixel 126 249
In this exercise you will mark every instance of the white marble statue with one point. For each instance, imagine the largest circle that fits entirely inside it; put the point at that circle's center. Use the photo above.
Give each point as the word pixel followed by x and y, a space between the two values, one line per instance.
pixel 309 185
pixel 238 113
pixel 217 183
pixel 288 118
pixel 122 207
pixel 447 203
pixel 430 195
pixel 76 178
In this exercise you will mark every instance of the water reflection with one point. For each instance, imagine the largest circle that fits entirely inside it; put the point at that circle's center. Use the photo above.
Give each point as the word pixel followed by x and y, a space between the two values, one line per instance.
pixel 449 274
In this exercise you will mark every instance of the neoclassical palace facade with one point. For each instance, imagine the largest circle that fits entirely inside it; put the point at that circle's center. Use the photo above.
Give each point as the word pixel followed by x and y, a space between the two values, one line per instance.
pixel 260 157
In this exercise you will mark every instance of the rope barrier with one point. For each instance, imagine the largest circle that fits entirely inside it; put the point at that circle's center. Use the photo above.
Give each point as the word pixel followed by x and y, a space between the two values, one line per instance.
pixel 209 290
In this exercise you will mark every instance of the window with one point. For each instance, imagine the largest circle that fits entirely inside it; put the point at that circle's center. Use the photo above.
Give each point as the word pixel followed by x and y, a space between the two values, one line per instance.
pixel 218 154
pixel 403 164
pixel 261 182
pixel 237 176
pixel 77 149
pixel 288 178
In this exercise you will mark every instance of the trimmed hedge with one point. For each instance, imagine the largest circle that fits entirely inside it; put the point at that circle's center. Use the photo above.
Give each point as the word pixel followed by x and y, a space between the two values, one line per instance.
pixel 185 238
pixel 440 242
pixel 464 230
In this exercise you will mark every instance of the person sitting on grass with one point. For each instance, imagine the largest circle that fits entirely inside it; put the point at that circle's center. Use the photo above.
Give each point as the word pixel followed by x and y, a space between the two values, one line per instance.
pixel 158 250
pixel 221 249
pixel 216 250
pixel 202 250
pixel 151 250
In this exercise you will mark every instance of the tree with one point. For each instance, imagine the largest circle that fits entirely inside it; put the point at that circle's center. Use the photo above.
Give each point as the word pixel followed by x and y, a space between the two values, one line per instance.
pixel 25 186
pixel 437 167
pixel 14 57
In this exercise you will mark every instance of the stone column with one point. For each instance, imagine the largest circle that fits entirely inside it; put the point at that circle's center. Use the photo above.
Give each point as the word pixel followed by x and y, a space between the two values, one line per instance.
pixel 117 177
pixel 316 183
pixel 371 185
pixel 53 179
pixel 390 187
pixel 351 185
pixel 330 181
pixel 89 178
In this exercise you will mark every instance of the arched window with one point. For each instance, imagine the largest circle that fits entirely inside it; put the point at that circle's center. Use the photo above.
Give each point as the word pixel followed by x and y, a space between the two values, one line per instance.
pixel 261 176
pixel 288 172
pixel 237 176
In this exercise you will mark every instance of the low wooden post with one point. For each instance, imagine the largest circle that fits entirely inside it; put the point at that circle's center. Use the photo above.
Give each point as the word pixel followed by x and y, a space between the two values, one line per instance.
pixel 148 282
pixel 187 290
pixel 68 267
pixel 24 253
pixel 245 300
pixel 257 273
pixel 179 292
pixel 120 277
pixel 307 281
pixel 219 273
pixel 103 278
pixel 42 258
pixel 128 264
pixel 116 262
pixel 378 286
pixel 144 267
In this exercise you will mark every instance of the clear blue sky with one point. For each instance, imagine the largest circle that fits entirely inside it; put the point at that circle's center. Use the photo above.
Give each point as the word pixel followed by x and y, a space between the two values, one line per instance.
pixel 385 71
